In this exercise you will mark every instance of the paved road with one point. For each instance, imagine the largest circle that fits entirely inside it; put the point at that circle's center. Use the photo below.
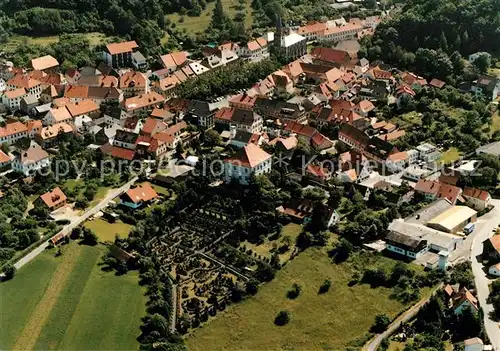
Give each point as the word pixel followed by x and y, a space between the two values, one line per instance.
pixel 67 229
pixel 488 222
pixel 374 343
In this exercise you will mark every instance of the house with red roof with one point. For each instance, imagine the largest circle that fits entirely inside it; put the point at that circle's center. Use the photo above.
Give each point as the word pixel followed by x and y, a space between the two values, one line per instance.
pixel 432 190
pixel 138 196
pixel 243 101
pixel 330 56
pixel 119 54
pixel 318 173
pixel 476 198
pixel 52 200
pixel 249 160
pixel 404 92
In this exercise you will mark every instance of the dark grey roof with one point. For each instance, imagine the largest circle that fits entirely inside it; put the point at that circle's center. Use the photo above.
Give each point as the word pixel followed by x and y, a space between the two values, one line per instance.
pixel 244 116
pixel 242 136
pixel 137 56
pixel 126 137
pixel 199 108
pixel 403 240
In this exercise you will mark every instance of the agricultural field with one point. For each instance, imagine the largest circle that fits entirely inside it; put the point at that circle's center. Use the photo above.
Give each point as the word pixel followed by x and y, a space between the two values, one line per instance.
pixel 314 318
pixel 199 24
pixel 17 40
pixel 68 302
pixel 106 231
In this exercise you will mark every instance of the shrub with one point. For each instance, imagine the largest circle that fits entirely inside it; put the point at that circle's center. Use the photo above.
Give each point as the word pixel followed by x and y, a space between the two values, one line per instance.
pixel 9 271
pixel 325 287
pixel 294 292
pixel 282 318
pixel 381 323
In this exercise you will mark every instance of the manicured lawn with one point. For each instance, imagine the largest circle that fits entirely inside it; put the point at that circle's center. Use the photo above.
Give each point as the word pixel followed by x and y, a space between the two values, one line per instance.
pixel 161 190
pixel 94 38
pixel 106 231
pixel 201 23
pixel 450 156
pixel 69 303
pixel 327 321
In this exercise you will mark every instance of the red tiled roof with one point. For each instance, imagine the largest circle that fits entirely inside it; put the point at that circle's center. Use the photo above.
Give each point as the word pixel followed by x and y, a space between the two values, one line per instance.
pixel 225 113
pixel 244 99
pixel 330 55
pixel 53 198
pixel 4 157
pixel 437 83
pixel 122 153
pixel 449 192
pixel 44 62
pixel 381 74
pixel 119 48
pixel 150 125
pixel 392 135
pixel 427 186
pixel 316 170
pixel 476 193
pixel 12 128
pixel 249 156
pixel 142 193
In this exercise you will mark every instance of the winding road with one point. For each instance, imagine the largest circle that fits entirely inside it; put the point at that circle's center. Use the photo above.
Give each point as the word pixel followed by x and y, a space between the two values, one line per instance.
pixel 486 225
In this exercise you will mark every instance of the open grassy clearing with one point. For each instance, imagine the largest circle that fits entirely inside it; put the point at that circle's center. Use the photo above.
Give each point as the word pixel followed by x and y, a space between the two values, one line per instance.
pixel 106 231
pixel 95 39
pixel 450 156
pixel 68 302
pixel 290 230
pixel 161 190
pixel 495 121
pixel 408 119
pixel 317 321
pixel 199 24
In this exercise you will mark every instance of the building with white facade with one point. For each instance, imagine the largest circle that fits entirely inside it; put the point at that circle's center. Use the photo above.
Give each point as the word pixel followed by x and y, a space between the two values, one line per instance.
pixel 249 160
pixel 29 161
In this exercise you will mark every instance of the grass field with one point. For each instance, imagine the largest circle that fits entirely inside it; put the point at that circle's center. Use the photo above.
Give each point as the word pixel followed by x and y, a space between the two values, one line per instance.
pixel 68 302
pixel 495 121
pixel 317 321
pixel 450 156
pixel 201 23
pixel 14 41
pixel 291 230
pixel 106 231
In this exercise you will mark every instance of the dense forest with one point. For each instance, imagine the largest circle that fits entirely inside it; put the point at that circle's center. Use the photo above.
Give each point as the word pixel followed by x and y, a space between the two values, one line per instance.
pixel 430 36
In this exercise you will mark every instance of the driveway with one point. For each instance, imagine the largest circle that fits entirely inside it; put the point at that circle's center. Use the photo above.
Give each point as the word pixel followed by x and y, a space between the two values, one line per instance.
pixel 77 221
pixel 484 231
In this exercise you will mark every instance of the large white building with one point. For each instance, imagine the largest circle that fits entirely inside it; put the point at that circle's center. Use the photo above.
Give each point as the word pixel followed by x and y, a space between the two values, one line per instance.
pixel 249 160
pixel 30 161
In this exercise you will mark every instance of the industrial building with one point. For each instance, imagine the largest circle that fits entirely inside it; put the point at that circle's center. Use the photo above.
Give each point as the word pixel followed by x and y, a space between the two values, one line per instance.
pixel 454 219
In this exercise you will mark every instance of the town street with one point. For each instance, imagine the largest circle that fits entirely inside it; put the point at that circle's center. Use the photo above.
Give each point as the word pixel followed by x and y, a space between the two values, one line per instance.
pixel 488 223
pixel 86 215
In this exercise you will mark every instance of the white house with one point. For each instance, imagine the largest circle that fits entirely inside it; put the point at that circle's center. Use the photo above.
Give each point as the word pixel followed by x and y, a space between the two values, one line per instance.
pixel 12 98
pixel 396 163
pixel 412 156
pixel 250 159
pixel 428 152
pixel 31 160
pixel 12 132
pixel 494 270
pixel 476 198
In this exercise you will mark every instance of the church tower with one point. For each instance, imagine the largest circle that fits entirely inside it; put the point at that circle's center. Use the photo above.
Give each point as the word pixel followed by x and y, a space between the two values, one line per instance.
pixel 278 36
